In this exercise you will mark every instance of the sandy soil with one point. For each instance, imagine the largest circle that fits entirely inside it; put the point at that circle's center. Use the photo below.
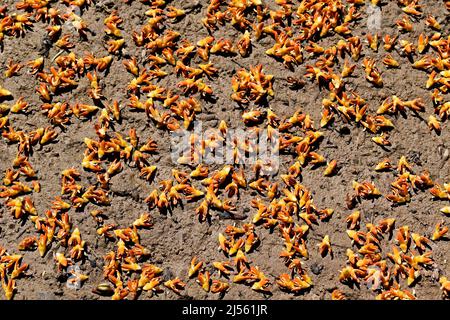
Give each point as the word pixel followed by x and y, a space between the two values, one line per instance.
pixel 177 237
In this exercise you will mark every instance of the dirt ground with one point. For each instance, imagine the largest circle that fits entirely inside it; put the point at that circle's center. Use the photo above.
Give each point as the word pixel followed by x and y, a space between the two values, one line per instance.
pixel 178 236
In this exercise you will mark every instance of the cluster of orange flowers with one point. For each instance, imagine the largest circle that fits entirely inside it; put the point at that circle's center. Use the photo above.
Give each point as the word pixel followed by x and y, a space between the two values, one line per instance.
pixel 11 268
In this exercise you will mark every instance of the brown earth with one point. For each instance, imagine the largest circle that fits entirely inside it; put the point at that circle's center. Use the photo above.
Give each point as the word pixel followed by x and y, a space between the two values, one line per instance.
pixel 178 236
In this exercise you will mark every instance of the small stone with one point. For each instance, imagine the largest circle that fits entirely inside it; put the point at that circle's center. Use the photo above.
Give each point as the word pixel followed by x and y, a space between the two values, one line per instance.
pixel 446 155
pixel 316 268
pixel 58 292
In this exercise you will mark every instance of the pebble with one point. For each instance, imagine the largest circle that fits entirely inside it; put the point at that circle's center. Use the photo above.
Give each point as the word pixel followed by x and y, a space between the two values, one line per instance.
pixel 209 117
pixel 316 268
pixel 192 6
pixel 58 292
pixel 213 123
pixel 446 155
